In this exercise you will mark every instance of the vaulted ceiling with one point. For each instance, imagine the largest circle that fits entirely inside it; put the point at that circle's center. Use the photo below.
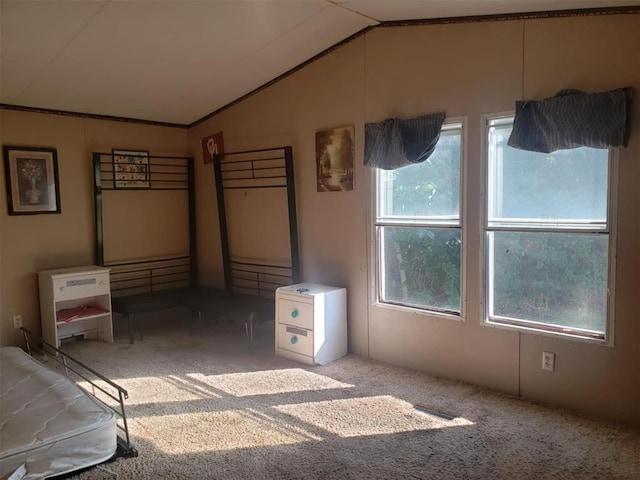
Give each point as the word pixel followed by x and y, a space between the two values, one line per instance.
pixel 176 61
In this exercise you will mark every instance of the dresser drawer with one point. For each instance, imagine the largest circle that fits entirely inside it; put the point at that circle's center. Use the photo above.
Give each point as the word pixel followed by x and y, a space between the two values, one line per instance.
pixel 297 314
pixel 67 288
pixel 294 339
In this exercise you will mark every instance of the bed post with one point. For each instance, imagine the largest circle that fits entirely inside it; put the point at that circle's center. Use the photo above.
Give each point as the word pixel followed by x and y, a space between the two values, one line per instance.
pixel 222 219
pixel 97 209
pixel 293 219
pixel 193 241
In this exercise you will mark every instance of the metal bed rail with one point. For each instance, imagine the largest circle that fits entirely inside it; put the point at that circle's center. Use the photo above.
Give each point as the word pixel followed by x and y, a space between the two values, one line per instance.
pixel 141 171
pixel 101 388
pixel 145 276
pixel 259 279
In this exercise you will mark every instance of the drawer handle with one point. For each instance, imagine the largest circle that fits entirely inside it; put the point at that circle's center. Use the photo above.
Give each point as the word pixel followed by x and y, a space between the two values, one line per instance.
pixel 62 289
pixel 294 340
pixel 102 283
pixel 294 314
pixel 297 331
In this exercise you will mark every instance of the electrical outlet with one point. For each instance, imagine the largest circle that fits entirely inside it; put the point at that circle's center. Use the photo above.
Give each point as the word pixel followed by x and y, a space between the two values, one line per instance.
pixel 548 361
pixel 17 321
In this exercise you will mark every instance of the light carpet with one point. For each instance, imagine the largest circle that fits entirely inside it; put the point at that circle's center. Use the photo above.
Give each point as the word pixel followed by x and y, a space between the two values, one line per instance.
pixel 201 407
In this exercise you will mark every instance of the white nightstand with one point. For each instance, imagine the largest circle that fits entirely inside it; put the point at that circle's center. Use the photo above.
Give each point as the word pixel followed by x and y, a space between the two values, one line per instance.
pixel 311 323
pixel 75 302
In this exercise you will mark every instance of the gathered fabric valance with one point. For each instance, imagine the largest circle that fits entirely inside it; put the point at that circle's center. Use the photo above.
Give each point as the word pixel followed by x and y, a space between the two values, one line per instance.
pixel 573 119
pixel 395 143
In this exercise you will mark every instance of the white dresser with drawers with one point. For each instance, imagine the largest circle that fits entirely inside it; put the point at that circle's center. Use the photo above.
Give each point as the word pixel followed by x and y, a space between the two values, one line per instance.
pixel 75 302
pixel 311 323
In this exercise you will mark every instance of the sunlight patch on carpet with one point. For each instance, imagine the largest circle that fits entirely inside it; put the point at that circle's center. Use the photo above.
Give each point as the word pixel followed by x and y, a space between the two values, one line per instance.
pixel 210 432
pixel 356 417
pixel 167 389
pixel 268 382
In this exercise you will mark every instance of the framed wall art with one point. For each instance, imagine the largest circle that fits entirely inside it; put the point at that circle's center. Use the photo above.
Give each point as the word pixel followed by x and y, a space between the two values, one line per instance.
pixel 32 180
pixel 131 169
pixel 334 159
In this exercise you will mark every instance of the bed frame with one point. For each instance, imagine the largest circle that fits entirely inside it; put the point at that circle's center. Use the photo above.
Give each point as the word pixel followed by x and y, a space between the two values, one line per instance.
pixel 161 173
pixel 142 286
pixel 63 432
pixel 261 169
pixel 139 288
pixel 98 386
pixel 145 286
pixel 255 169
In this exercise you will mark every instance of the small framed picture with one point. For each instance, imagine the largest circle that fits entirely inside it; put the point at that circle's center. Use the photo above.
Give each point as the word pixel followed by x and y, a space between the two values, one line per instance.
pixel 334 159
pixel 130 169
pixel 32 180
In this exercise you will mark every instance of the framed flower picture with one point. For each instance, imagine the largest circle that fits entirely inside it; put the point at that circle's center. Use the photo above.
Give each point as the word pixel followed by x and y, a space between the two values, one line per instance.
pixel 32 180
pixel 131 169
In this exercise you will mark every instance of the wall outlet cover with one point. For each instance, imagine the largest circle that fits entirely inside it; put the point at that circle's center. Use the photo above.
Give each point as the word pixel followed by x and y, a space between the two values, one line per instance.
pixel 548 361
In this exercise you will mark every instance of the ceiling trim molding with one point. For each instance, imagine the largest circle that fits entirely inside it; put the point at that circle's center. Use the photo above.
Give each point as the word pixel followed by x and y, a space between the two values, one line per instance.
pixel 64 113
pixel 502 17
pixel 632 9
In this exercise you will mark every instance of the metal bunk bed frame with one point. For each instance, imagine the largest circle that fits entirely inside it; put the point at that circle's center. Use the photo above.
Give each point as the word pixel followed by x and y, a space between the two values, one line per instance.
pixel 256 169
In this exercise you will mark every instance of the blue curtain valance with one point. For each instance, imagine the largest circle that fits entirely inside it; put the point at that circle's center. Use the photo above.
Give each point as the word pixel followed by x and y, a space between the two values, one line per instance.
pixel 395 143
pixel 573 119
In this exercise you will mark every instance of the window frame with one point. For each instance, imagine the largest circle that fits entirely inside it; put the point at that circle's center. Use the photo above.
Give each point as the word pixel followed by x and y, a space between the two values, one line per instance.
pixel 377 264
pixel 609 228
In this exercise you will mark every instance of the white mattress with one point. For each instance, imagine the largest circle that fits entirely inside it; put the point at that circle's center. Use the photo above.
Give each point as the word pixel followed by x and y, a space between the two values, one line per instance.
pixel 47 422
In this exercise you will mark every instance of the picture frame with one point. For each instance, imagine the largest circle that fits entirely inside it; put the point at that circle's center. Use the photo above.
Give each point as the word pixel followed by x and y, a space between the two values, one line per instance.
pixel 131 169
pixel 335 154
pixel 31 175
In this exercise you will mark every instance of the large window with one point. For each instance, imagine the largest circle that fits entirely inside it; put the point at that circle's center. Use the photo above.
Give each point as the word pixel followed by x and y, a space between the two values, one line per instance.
pixel 547 237
pixel 418 230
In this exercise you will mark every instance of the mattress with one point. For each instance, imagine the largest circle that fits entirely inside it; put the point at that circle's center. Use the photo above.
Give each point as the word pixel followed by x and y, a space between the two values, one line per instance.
pixel 47 422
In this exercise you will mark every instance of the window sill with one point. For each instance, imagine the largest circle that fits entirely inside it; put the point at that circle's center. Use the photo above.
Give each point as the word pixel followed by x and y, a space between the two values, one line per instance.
pixel 603 342
pixel 418 311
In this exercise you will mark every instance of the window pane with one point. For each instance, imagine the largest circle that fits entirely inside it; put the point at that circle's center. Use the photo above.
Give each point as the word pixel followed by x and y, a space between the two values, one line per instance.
pixel 421 267
pixel 430 189
pixel 551 278
pixel 563 185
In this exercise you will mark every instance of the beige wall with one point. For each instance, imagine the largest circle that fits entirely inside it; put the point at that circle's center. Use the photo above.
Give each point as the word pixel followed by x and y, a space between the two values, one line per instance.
pixel 466 70
pixel 35 242
pixel 158 220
